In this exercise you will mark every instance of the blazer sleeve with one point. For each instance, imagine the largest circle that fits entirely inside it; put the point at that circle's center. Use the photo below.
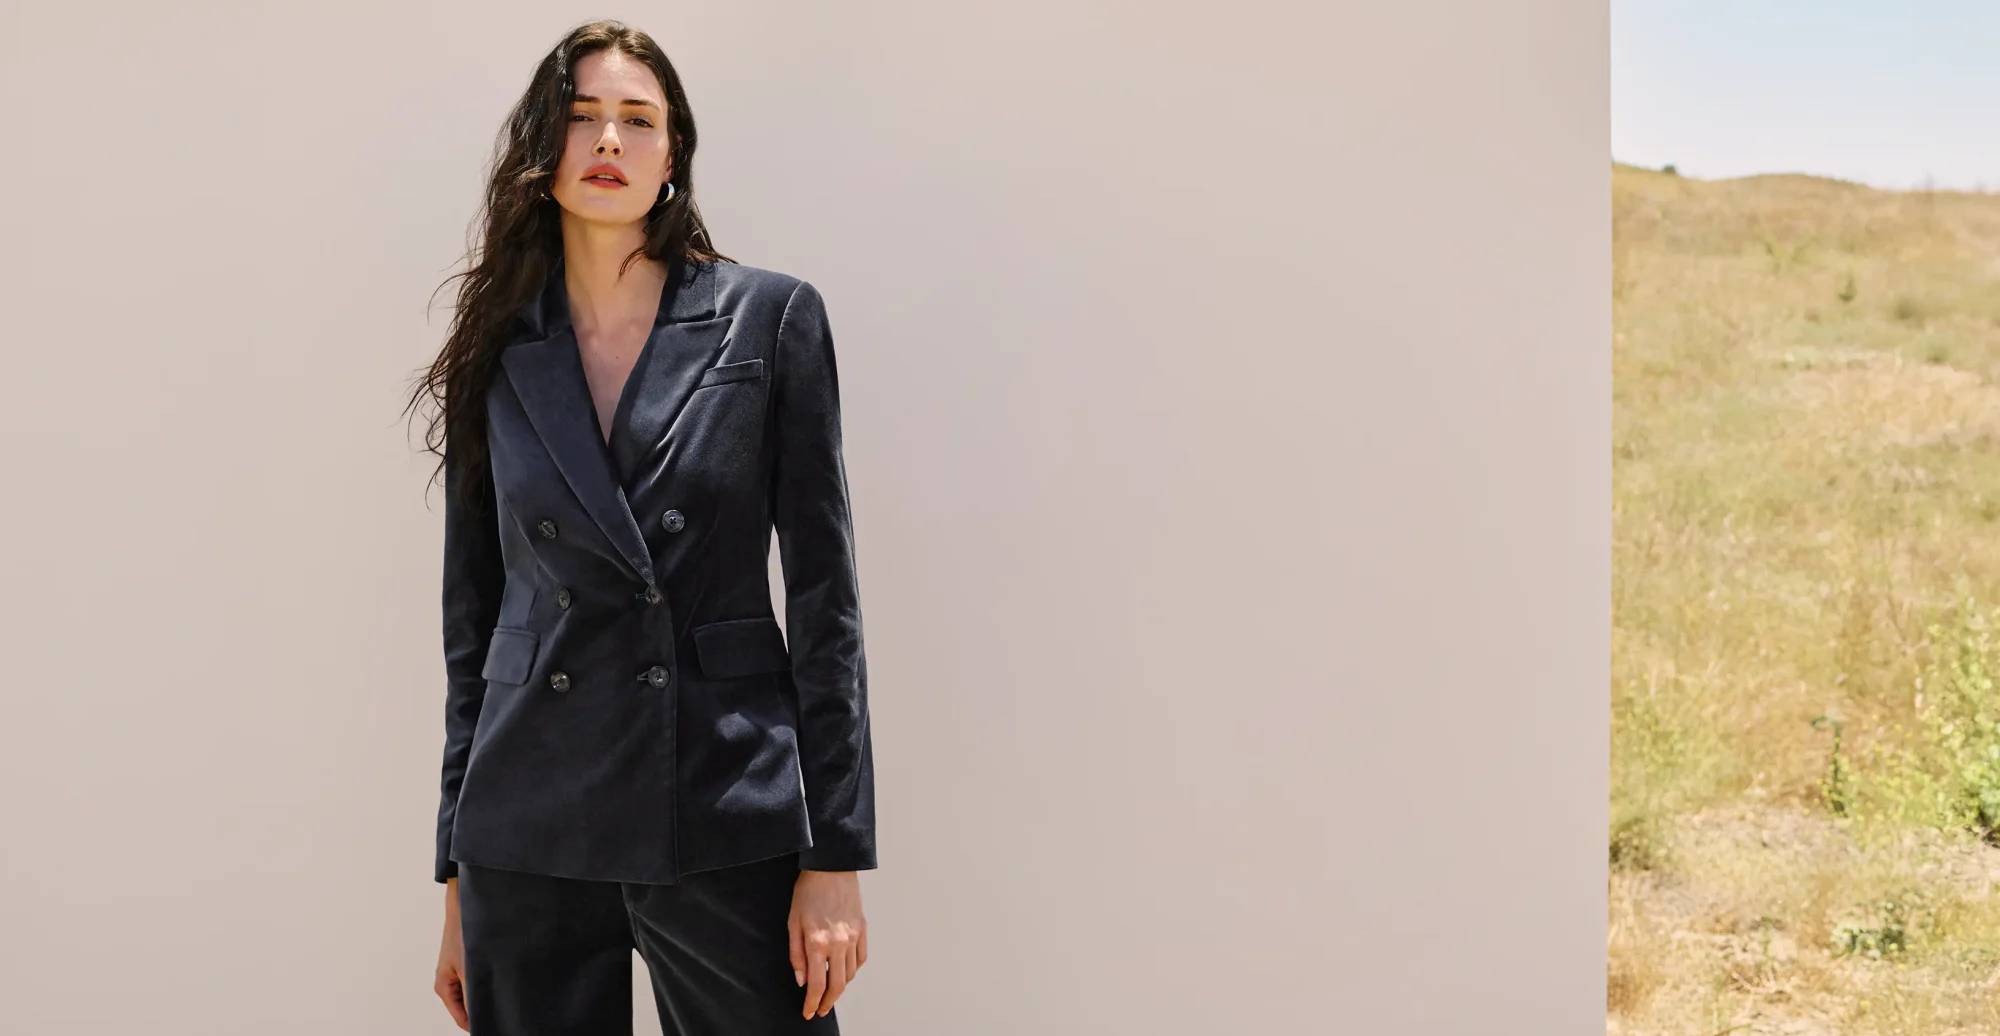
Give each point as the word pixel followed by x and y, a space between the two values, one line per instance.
pixel 473 580
pixel 822 593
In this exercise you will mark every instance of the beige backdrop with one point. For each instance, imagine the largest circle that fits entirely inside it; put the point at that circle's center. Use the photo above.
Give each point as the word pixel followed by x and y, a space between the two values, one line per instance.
pixel 1227 401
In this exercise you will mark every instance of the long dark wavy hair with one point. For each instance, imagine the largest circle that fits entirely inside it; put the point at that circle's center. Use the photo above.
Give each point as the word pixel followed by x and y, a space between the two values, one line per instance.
pixel 519 239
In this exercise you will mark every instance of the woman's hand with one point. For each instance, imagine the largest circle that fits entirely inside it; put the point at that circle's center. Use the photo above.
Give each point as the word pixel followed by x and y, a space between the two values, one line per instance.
pixel 829 935
pixel 450 982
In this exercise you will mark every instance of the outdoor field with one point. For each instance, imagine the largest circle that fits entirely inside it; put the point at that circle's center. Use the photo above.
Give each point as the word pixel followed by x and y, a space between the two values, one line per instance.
pixel 1806 512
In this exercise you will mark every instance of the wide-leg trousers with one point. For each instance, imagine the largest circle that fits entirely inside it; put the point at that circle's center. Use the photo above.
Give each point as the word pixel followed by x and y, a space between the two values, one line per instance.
pixel 550 956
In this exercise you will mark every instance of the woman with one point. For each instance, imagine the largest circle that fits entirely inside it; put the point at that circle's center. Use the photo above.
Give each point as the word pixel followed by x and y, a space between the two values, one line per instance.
pixel 637 755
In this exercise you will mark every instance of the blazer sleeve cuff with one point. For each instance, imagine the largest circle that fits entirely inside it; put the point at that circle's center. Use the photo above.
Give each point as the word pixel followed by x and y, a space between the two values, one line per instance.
pixel 829 858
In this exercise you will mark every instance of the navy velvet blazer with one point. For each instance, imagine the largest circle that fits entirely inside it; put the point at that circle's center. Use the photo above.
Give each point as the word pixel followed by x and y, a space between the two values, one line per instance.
pixel 621 702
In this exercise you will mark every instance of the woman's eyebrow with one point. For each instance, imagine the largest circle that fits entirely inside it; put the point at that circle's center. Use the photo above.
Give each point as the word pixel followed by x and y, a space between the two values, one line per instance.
pixel 634 102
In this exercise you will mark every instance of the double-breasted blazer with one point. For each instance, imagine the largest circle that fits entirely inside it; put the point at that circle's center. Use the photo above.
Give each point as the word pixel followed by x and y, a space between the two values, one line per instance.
pixel 621 701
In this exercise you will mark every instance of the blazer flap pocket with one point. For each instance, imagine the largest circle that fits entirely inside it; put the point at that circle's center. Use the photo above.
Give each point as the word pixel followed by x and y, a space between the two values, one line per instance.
pixel 511 656
pixel 751 368
pixel 740 647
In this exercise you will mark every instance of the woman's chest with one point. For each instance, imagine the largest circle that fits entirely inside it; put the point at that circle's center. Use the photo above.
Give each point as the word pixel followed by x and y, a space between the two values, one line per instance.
pixel 608 358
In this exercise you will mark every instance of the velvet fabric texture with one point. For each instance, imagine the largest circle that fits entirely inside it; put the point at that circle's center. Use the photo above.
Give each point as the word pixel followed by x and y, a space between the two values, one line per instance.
pixel 621 701
pixel 547 955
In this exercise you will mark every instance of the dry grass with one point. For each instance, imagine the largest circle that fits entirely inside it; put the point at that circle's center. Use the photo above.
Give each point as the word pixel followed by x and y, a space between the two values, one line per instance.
pixel 1806 477
pixel 1749 929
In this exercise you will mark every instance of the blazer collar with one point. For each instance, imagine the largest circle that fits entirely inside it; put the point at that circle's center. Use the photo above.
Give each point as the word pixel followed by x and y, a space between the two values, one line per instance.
pixel 687 295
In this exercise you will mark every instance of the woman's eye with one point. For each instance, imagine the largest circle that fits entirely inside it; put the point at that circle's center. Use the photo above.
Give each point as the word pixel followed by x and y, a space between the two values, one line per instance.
pixel 641 120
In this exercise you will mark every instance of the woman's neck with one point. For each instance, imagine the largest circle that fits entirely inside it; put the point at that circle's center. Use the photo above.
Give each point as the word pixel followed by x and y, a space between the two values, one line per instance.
pixel 600 298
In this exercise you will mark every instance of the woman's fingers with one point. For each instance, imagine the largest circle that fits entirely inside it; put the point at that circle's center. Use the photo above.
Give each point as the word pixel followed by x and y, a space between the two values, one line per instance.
pixel 839 969
pixel 815 971
pixel 831 964
pixel 451 989
pixel 798 949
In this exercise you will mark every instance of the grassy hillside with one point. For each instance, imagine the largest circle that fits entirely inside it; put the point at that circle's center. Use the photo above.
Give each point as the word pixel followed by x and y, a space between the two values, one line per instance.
pixel 1806 744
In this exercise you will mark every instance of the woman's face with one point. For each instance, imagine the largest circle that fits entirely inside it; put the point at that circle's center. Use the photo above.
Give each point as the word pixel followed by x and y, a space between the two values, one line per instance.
pixel 616 155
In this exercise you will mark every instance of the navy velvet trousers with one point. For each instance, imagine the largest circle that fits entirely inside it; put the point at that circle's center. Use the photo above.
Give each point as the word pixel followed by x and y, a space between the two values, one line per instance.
pixel 549 956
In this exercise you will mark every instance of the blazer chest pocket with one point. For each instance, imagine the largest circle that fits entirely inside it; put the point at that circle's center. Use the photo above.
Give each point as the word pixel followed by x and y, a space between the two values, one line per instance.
pixel 511 656
pixel 740 647
pixel 728 372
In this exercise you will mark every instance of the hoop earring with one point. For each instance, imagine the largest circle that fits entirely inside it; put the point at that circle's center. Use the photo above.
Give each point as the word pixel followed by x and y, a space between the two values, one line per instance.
pixel 667 197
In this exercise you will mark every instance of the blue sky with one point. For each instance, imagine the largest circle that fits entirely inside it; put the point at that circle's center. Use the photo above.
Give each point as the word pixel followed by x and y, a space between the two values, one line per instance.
pixel 1888 93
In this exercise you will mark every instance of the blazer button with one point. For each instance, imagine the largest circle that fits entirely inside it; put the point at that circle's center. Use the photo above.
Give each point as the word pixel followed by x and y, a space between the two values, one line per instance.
pixel 673 521
pixel 559 680
pixel 548 528
pixel 657 676
pixel 653 595
pixel 562 596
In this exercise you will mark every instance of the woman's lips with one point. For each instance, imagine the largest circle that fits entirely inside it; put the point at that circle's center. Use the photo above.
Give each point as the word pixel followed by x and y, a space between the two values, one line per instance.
pixel 602 181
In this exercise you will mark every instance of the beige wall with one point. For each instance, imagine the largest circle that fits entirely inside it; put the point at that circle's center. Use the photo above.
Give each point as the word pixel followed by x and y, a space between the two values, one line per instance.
pixel 1228 408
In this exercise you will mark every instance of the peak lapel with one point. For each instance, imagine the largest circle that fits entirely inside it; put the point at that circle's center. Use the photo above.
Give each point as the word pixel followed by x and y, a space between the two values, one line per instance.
pixel 547 375
pixel 674 362
pixel 686 337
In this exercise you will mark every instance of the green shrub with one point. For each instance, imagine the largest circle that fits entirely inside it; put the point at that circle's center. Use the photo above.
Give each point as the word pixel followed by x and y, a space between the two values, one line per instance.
pixel 1960 706
pixel 1888 933
pixel 1837 787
